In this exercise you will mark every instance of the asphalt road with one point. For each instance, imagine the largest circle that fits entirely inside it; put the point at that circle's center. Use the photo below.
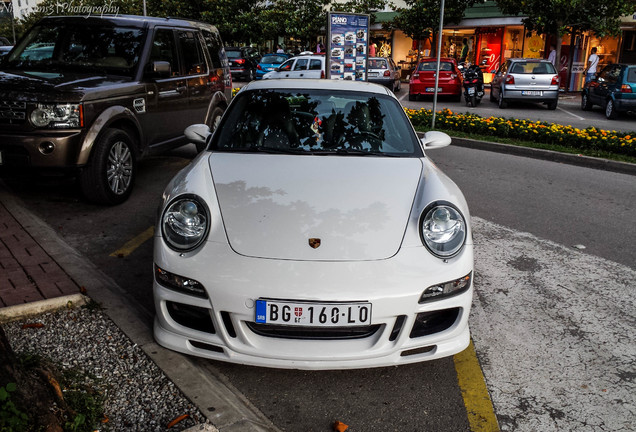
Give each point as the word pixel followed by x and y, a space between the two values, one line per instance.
pixel 564 204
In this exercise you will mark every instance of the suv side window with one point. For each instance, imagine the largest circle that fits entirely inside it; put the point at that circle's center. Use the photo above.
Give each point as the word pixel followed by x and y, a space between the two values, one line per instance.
pixel 213 42
pixel 315 64
pixel 193 59
pixel 301 64
pixel 164 49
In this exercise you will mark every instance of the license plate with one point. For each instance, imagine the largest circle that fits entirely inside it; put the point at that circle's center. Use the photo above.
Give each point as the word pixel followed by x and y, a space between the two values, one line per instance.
pixel 432 89
pixel 313 314
pixel 373 74
pixel 471 90
pixel 532 93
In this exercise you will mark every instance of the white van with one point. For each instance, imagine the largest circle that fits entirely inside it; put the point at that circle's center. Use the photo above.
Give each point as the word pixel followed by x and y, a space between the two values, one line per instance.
pixel 303 66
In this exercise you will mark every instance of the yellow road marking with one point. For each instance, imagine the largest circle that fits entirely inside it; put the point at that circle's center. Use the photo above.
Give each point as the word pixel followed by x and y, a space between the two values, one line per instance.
pixel 481 414
pixel 133 244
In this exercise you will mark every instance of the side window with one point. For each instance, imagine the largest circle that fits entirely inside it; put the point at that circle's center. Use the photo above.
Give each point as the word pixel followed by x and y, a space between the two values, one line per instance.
pixel 163 49
pixel 213 42
pixel 614 74
pixel 192 54
pixel 301 64
pixel 287 66
pixel 315 64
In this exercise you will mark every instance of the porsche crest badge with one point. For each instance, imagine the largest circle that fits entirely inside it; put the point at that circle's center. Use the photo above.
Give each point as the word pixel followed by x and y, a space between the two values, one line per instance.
pixel 314 242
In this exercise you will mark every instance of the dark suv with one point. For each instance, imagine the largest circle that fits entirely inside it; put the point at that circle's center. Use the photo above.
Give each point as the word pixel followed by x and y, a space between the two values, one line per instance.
pixel 92 95
pixel 243 62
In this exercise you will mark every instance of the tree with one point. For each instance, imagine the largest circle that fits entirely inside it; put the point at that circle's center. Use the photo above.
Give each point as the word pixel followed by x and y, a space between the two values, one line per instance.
pixel 558 17
pixel 420 19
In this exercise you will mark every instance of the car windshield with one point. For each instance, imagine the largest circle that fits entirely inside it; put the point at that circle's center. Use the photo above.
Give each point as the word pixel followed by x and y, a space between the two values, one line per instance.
pixel 432 66
pixel 273 59
pixel 533 67
pixel 78 48
pixel 233 54
pixel 316 122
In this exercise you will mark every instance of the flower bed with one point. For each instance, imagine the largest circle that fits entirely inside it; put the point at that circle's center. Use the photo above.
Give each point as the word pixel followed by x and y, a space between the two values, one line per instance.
pixel 591 138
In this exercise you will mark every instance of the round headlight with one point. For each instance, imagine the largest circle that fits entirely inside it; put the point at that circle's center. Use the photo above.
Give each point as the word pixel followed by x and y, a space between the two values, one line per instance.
pixel 40 117
pixel 443 229
pixel 185 223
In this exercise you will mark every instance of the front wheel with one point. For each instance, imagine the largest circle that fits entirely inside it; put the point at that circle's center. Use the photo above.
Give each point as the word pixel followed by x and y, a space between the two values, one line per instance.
pixel 110 176
pixel 610 110
pixel 213 123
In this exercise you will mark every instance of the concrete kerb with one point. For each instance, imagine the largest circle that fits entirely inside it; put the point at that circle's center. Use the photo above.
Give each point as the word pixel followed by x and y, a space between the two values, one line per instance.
pixel 27 310
pixel 549 155
pixel 232 411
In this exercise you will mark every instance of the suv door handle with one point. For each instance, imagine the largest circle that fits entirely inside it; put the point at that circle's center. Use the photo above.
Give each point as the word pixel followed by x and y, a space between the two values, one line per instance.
pixel 182 89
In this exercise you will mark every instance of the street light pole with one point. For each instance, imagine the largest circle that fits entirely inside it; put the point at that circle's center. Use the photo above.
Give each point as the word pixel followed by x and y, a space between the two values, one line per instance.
pixel 439 54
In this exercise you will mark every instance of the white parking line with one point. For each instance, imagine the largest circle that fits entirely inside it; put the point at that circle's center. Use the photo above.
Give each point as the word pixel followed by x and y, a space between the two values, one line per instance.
pixel 553 329
pixel 572 114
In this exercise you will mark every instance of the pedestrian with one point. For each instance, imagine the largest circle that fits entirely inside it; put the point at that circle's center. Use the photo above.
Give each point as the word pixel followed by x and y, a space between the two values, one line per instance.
pixel 464 55
pixel 552 56
pixel 592 63
pixel 372 49
pixel 279 49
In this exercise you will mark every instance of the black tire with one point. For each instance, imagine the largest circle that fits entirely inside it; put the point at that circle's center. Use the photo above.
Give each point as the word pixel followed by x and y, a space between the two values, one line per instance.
pixel 110 175
pixel 586 104
pixel 473 101
pixel 492 98
pixel 458 98
pixel 610 110
pixel 251 75
pixel 501 102
pixel 215 118
pixel 412 97
pixel 552 105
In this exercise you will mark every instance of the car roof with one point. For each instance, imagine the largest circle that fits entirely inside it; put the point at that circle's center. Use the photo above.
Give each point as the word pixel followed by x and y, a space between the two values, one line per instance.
pixel 129 20
pixel 317 84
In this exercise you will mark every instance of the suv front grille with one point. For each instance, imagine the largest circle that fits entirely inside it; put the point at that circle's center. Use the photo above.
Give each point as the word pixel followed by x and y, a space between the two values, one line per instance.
pixel 12 112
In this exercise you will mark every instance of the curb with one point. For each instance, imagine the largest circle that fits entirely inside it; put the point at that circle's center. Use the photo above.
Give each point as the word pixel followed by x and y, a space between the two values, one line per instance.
pixel 17 312
pixel 199 382
pixel 549 155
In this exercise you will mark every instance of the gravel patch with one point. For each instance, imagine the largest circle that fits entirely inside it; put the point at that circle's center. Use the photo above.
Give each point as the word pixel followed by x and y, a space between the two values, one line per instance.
pixel 139 396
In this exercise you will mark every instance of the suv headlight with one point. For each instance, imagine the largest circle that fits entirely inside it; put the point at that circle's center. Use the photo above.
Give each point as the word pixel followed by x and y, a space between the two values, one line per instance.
pixel 443 229
pixel 185 223
pixel 58 115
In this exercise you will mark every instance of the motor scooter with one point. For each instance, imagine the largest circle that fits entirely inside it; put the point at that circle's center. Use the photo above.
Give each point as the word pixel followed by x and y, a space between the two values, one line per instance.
pixel 473 85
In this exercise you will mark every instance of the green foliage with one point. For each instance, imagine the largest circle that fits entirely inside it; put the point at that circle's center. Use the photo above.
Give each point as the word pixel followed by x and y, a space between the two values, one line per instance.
pixel 420 18
pixel 11 418
pixel 592 141
pixel 84 399
pixel 570 16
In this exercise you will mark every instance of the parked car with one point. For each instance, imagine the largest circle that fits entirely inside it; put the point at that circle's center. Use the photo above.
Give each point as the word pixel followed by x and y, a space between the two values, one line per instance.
pixel 614 89
pixel 5 46
pixel 384 71
pixel 302 66
pixel 314 234
pixel 90 96
pixel 243 62
pixel 269 62
pixel 422 81
pixel 527 80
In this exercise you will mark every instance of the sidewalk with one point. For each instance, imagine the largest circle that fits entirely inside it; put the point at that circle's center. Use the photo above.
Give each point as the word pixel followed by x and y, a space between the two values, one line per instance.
pixel 27 273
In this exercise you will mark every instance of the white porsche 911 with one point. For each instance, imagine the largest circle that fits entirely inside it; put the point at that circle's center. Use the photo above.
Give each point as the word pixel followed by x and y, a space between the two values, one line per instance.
pixel 313 233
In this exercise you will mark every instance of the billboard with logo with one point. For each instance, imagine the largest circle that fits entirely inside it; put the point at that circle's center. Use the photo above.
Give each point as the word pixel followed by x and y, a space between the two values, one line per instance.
pixel 347 46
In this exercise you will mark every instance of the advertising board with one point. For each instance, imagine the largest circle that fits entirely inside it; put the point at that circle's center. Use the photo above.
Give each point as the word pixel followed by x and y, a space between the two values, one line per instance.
pixel 348 46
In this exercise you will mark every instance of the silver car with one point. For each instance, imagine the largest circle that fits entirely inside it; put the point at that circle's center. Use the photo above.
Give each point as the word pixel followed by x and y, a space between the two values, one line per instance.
pixel 384 71
pixel 525 79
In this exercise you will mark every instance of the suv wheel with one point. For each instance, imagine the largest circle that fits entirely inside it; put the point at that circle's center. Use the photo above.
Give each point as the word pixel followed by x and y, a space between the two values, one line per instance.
pixel 610 110
pixel 215 119
pixel 109 177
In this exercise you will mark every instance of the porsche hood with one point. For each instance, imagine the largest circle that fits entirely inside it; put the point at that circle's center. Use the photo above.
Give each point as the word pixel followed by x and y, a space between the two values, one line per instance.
pixel 325 208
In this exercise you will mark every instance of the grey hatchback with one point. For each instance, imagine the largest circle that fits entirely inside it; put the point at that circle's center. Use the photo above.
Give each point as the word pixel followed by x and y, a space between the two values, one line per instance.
pixel 383 71
pixel 525 79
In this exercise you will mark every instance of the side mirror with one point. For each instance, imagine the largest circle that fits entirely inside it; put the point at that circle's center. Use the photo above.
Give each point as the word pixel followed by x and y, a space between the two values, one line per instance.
pixel 435 140
pixel 159 69
pixel 197 133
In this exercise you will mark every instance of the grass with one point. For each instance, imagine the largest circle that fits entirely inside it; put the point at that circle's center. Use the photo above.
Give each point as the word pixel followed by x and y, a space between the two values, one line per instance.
pixel 532 144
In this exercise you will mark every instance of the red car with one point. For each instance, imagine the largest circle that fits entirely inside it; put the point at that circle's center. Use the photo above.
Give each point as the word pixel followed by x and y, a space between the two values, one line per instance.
pixel 423 79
